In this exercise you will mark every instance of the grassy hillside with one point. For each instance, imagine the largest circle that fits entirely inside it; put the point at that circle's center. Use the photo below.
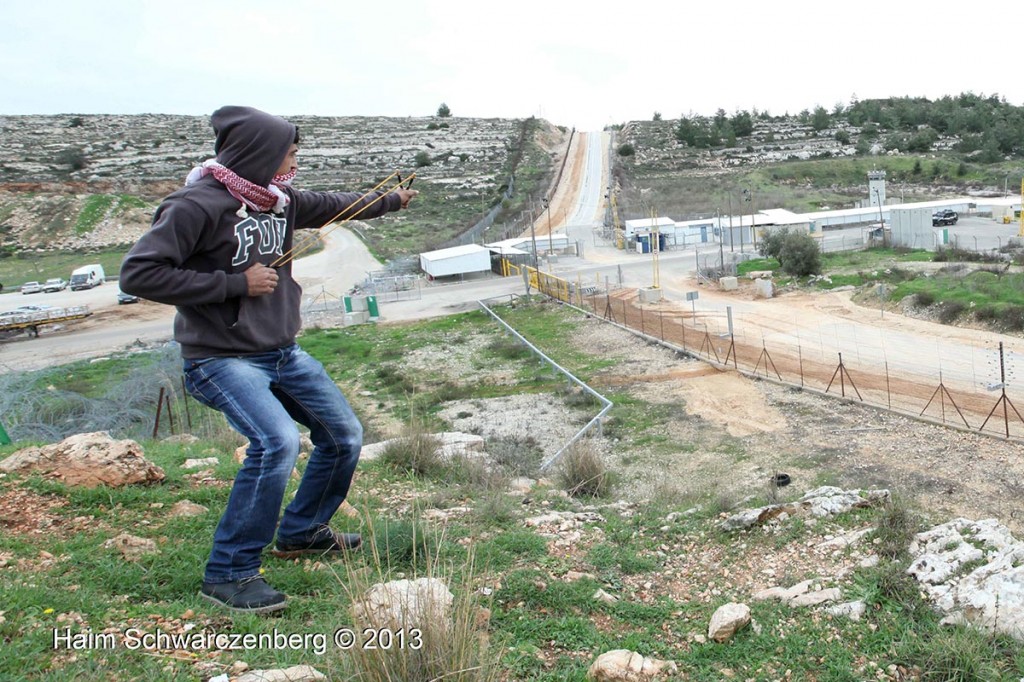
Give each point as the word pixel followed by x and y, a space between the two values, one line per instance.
pixel 524 567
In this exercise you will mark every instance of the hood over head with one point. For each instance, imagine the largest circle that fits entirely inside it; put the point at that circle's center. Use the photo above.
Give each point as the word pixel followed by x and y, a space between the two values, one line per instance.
pixel 251 142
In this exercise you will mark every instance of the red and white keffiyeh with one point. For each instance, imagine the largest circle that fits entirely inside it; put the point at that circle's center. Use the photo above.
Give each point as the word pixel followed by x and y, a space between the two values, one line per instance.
pixel 262 199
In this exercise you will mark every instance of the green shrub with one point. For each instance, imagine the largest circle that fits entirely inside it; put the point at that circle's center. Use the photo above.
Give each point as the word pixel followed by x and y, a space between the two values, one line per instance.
pixel 770 245
pixel 924 299
pixel 509 349
pixel 73 157
pixel 626 149
pixel 1012 318
pixel 896 527
pixel 519 455
pixel 949 311
pixel 423 159
pixel 961 653
pixel 416 451
pixel 800 255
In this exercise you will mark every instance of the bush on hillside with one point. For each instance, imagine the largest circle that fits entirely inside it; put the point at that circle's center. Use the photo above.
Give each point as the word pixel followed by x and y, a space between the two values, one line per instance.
pixel 799 255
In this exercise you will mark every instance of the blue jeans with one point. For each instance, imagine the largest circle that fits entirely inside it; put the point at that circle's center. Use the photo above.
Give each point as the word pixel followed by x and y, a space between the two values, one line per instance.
pixel 262 396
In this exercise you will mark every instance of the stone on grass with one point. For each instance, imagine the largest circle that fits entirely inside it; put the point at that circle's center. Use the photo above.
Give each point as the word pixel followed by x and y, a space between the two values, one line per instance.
pixel 623 665
pixel 131 547
pixel 422 603
pixel 727 620
pixel 201 462
pixel 297 673
pixel 88 460
pixel 187 508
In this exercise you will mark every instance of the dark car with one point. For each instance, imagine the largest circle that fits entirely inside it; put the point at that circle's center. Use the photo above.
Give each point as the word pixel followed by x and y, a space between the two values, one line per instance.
pixel 123 298
pixel 946 216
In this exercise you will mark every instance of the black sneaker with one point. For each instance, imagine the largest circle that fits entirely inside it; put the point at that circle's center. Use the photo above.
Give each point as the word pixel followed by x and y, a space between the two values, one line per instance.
pixel 324 541
pixel 248 595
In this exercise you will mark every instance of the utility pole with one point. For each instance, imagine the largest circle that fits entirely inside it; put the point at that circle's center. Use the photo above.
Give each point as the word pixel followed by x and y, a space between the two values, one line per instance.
pixel 551 243
pixel 732 243
pixel 655 249
pixel 533 238
pixel 749 196
pixel 721 248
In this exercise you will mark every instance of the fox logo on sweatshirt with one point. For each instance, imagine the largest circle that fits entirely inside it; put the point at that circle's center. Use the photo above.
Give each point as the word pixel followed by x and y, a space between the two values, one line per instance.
pixel 268 229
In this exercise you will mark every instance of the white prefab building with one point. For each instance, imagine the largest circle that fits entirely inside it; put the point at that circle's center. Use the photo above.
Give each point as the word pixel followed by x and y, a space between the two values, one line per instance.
pixel 458 260
pixel 646 226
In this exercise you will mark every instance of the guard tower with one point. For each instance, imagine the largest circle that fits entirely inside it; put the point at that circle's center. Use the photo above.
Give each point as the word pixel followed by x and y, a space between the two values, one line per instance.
pixel 876 187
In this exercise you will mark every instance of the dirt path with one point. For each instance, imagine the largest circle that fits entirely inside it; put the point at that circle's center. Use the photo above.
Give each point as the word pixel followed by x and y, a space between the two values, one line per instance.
pixel 727 434
pixel 826 342
pixel 564 198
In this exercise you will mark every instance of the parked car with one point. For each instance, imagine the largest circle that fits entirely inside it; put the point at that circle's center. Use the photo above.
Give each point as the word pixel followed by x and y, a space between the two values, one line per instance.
pixel 55 285
pixel 123 298
pixel 31 288
pixel 946 216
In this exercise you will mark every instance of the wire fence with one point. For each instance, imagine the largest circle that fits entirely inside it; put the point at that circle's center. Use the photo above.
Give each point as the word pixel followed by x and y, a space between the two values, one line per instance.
pixel 954 380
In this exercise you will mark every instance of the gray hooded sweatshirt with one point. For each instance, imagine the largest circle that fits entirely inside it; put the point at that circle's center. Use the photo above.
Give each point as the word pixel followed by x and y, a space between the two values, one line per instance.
pixel 196 253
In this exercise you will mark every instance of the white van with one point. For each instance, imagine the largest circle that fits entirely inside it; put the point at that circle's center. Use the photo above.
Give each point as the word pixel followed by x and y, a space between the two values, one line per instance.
pixel 87 277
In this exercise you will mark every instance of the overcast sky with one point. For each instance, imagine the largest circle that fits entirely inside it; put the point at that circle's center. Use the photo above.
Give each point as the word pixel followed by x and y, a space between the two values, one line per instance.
pixel 582 64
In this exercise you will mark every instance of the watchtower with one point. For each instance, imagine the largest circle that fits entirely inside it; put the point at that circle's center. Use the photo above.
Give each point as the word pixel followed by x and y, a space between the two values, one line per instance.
pixel 876 187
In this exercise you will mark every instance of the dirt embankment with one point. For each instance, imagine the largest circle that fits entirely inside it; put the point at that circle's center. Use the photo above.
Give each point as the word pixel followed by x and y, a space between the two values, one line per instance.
pixel 727 434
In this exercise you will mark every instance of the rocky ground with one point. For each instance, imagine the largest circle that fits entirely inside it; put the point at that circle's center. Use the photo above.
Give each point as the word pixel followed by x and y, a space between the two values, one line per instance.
pixel 51 166
pixel 721 435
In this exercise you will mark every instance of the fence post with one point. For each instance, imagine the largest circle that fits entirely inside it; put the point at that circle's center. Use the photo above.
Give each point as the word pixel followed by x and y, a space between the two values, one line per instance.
pixel 184 396
pixel 159 408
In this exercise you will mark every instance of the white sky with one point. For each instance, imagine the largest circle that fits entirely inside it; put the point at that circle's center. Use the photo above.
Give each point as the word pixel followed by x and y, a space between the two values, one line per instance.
pixel 583 64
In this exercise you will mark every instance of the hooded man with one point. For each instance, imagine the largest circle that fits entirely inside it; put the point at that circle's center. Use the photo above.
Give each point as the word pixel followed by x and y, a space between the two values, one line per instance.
pixel 211 253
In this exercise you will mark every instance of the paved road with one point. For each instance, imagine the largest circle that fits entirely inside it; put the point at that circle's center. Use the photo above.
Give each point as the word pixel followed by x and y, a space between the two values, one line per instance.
pixel 342 263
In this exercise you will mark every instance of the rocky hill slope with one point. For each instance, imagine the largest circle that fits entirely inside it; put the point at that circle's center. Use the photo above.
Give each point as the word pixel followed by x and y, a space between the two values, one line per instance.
pixel 80 182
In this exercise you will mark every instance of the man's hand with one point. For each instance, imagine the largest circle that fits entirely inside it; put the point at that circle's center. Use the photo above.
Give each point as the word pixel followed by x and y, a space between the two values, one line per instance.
pixel 406 195
pixel 261 279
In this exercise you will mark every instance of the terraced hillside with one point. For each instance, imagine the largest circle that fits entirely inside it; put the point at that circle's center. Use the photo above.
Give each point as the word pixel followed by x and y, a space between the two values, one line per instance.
pixel 74 182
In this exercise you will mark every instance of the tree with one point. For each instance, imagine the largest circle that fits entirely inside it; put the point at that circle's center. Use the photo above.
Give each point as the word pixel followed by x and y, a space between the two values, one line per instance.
pixel 820 120
pixel 73 157
pixel 800 255
pixel 742 124
pixel 771 243
pixel 657 116
pixel 443 111
pixel 842 137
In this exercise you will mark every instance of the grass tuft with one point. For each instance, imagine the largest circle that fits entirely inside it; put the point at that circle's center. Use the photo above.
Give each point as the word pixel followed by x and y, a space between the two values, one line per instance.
pixel 434 629
pixel 416 451
pixel 583 473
